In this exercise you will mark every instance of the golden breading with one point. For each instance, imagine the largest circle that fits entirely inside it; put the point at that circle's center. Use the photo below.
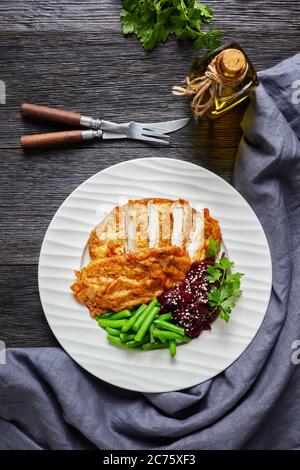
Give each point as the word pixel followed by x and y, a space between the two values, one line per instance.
pixel 211 229
pixel 124 281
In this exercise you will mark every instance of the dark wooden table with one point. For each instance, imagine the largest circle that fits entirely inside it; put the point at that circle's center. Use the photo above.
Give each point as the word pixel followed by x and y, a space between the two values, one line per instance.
pixel 72 54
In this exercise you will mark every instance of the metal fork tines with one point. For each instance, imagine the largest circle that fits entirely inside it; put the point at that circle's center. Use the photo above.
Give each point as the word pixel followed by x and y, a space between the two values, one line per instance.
pixel 148 133
pixel 135 130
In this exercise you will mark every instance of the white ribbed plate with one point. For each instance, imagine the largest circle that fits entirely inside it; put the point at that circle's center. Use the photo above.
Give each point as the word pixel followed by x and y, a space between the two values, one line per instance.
pixel 64 250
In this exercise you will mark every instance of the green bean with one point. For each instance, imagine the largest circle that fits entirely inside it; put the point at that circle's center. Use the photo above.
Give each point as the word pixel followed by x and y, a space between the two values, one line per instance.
pixel 164 325
pixel 134 317
pixel 145 340
pixel 172 347
pixel 117 342
pixel 139 320
pixel 156 345
pixel 185 339
pixel 152 339
pixel 112 331
pixel 146 323
pixel 124 337
pixel 144 314
pixel 105 315
pixel 164 316
pixel 141 308
pixel 163 340
pixel 104 323
pixel 133 344
pixel 161 334
pixel 120 315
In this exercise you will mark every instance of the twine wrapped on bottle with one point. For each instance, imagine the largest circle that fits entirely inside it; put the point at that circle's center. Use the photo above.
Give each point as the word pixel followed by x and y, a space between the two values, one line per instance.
pixel 228 68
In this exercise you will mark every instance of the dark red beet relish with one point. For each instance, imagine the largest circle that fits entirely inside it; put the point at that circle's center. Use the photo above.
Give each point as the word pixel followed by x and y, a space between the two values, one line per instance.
pixel 188 300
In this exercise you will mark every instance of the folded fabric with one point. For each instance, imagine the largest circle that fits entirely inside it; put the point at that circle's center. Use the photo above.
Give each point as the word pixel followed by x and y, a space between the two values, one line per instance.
pixel 49 402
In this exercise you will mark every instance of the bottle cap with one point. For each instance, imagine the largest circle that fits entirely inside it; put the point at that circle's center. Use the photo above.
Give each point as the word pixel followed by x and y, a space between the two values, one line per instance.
pixel 233 62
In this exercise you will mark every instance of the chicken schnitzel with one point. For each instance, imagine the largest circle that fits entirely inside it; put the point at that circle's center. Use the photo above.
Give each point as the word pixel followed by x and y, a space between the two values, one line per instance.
pixel 126 280
pixel 154 223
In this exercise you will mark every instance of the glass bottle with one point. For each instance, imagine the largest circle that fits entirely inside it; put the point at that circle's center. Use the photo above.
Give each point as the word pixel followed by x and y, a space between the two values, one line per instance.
pixel 233 62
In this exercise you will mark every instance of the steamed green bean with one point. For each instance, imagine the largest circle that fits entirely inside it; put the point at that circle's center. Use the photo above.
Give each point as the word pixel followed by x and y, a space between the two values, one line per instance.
pixel 165 334
pixel 105 315
pixel 143 329
pixel 127 337
pixel 133 344
pixel 172 347
pixel 164 325
pixel 104 323
pixel 144 314
pixel 134 317
pixel 152 339
pixel 164 317
pixel 120 315
pixel 146 324
pixel 117 342
pixel 156 345
pixel 112 331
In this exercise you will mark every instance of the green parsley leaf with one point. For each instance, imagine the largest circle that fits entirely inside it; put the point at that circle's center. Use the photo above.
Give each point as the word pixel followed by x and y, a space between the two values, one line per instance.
pixel 224 315
pixel 226 285
pixel 214 297
pixel 129 22
pixel 214 274
pixel 224 263
pixel 154 20
pixel 213 250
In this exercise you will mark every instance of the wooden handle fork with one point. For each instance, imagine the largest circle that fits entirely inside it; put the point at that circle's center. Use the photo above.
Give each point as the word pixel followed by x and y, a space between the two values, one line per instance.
pixel 50 114
pixel 50 139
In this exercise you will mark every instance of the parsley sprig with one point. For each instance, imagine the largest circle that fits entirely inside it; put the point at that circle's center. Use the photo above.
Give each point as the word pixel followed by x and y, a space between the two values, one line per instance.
pixel 225 285
pixel 154 20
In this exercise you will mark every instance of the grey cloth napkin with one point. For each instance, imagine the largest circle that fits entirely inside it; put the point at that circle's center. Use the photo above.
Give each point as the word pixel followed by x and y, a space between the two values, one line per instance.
pixel 49 402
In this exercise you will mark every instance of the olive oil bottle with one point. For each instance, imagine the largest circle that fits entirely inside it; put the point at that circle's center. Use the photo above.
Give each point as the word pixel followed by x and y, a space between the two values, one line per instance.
pixel 232 64
pixel 219 81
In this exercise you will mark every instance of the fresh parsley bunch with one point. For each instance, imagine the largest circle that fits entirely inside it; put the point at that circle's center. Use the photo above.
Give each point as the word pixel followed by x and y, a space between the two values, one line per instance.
pixel 226 286
pixel 154 20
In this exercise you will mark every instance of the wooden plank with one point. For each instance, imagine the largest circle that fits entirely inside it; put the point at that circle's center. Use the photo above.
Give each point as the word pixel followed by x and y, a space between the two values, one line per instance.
pixel 32 188
pixel 22 321
pixel 93 15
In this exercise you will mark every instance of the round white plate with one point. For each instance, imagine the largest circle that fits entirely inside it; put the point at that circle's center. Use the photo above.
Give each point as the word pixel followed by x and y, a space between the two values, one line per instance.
pixel 64 250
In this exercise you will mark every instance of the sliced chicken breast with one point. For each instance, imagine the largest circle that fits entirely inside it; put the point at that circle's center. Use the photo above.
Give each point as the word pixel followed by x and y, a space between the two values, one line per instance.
pixel 154 223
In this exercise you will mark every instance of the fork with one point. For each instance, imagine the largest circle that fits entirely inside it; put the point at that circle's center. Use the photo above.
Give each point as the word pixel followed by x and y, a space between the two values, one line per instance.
pixel 100 129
